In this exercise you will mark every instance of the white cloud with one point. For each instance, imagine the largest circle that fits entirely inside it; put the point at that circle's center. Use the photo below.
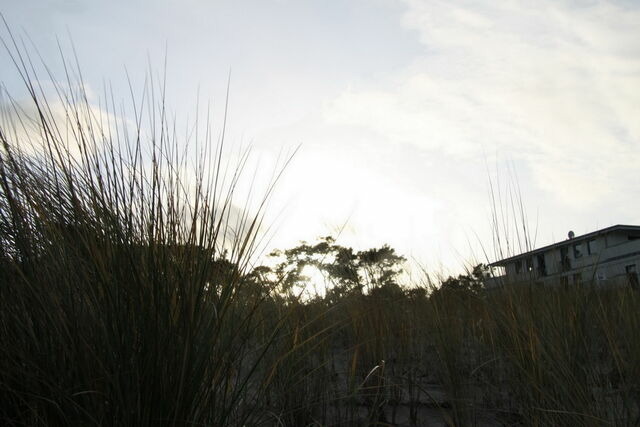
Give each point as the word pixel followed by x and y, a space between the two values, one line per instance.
pixel 553 86
pixel 556 85
pixel 396 133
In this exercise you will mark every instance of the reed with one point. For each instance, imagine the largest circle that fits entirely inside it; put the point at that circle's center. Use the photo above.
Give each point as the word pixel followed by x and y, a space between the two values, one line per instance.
pixel 128 297
pixel 121 265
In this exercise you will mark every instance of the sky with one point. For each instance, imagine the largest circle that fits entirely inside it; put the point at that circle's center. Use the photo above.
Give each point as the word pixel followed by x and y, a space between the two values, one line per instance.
pixel 406 112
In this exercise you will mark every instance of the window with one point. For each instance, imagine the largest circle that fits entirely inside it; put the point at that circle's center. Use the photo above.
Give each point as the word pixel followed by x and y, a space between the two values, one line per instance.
pixel 542 268
pixel 592 247
pixel 577 250
pixel 529 265
pixel 565 262
pixel 498 271
pixel 518 267
pixel 632 275
pixel 577 279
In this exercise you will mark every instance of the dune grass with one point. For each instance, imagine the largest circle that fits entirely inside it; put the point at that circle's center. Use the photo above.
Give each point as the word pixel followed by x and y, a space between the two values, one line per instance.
pixel 122 302
pixel 127 298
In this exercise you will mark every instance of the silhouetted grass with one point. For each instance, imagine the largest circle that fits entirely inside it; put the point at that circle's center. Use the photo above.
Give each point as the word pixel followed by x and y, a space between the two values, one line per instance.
pixel 120 267
pixel 127 298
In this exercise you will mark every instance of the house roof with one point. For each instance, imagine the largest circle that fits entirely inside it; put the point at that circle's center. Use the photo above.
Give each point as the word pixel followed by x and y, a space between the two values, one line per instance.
pixel 618 227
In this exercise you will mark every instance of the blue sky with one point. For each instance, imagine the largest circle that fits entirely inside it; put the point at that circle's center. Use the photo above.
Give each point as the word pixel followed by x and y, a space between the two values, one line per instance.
pixel 404 108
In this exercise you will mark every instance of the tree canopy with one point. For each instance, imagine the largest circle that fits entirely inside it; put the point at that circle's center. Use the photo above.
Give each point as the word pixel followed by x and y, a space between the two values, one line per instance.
pixel 343 269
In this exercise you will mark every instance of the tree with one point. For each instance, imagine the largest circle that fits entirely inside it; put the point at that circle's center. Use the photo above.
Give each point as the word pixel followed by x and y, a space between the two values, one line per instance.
pixel 345 270
pixel 380 266
pixel 471 283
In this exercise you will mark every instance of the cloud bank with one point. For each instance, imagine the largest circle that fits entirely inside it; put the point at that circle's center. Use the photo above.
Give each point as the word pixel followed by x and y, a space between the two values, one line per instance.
pixel 555 86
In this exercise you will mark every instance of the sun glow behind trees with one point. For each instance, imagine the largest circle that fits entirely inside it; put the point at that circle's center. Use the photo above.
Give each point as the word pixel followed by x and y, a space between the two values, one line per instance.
pixel 400 106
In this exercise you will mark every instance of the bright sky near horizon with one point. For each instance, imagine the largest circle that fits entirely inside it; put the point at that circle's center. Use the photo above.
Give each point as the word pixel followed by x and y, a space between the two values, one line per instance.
pixel 403 108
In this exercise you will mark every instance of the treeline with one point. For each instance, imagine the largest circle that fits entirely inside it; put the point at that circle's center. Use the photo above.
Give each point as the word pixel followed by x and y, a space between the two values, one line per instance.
pixel 330 271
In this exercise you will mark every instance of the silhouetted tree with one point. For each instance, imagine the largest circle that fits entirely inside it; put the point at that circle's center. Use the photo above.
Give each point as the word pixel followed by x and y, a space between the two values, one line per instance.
pixel 346 271
pixel 471 283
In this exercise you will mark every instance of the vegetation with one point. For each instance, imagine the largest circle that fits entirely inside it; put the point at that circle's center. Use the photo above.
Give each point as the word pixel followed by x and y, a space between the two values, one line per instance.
pixel 128 297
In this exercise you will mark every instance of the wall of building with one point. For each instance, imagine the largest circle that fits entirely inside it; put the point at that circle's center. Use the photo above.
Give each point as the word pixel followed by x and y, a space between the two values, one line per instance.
pixel 600 258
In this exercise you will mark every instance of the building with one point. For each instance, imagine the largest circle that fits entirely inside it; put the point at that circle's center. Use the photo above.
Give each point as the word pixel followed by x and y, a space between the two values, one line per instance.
pixel 610 255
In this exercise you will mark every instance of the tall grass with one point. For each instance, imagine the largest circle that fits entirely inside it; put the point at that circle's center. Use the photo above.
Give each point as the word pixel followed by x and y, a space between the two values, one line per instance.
pixel 127 298
pixel 120 266
pixel 516 356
